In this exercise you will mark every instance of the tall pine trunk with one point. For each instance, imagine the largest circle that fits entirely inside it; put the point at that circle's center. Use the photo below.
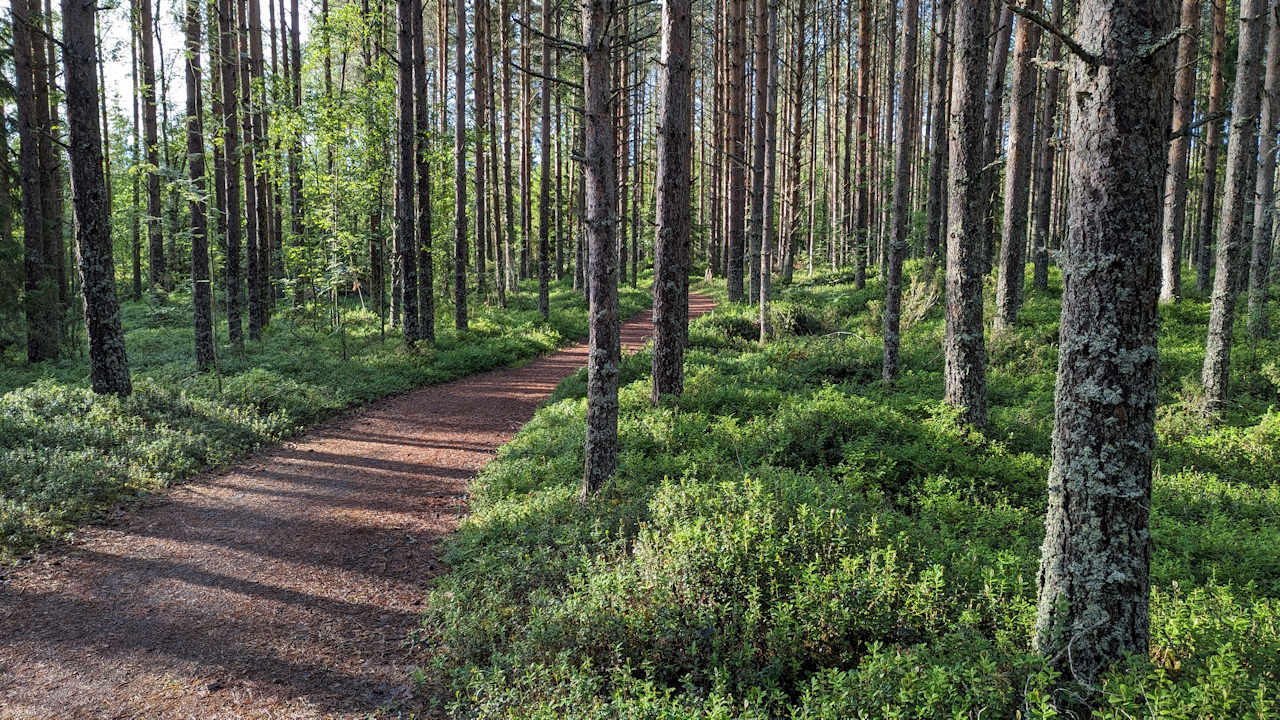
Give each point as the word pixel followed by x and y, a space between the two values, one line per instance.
pixel 1263 210
pixel 901 213
pixel 108 364
pixel 460 170
pixel 1175 182
pixel 1094 586
pixel 201 290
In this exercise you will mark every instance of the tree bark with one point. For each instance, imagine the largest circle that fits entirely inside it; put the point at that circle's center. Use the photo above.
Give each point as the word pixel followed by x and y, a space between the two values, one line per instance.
pixel 938 152
pixel 601 449
pixel 1241 153
pixel 460 171
pixel 991 135
pixel 40 290
pixel 671 241
pixel 759 69
pixel 1264 203
pixel 201 290
pixel 770 165
pixel 406 166
pixel 1213 145
pixel 422 110
pixel 901 213
pixel 965 373
pixel 862 223
pixel 1175 183
pixel 1022 108
pixel 108 363
pixel 736 146
pixel 1094 585
pixel 544 174
pixel 157 273
pixel 1045 152
pixel 231 152
pixel 481 80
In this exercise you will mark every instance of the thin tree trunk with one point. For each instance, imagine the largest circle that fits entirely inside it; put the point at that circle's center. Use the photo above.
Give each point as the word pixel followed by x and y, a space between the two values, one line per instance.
pixel 1043 203
pixel 244 72
pixel 1213 145
pixel 901 213
pixel 231 153
pixel 736 149
pixel 544 180
pixel 671 241
pixel 991 136
pixel 135 234
pixel 422 110
pixel 108 363
pixel 1022 108
pixel 460 170
pixel 1241 153
pixel 406 166
pixel 758 137
pixel 1175 183
pixel 1264 204
pixel 201 290
pixel 601 449
pixel 769 161
pixel 938 151
pixel 157 273
pixel 965 373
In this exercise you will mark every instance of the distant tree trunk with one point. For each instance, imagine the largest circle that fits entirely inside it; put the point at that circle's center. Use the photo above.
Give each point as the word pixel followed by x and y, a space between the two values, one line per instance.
pixel 296 207
pixel 231 152
pixel 901 213
pixel 770 165
pixel 460 171
pixel 40 288
pixel 244 72
pixel 1264 204
pixel 481 96
pixel 1043 203
pixel 862 223
pixel 717 143
pixel 54 181
pixel 1241 153
pixel 135 234
pixel 1094 585
pixel 991 136
pixel 155 233
pixel 736 146
pixel 1022 109
pixel 601 449
pixel 526 143
pixel 1212 144
pixel 800 33
pixel 936 199
pixel 1175 182
pixel 498 247
pixel 671 241
pixel 622 112
pixel 201 291
pixel 422 110
pixel 544 174
pixel 406 165
pixel 758 133
pixel 965 374
pixel 510 203
pixel 108 364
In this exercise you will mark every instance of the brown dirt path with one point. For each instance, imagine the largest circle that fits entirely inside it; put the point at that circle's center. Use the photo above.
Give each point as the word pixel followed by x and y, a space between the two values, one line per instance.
pixel 282 587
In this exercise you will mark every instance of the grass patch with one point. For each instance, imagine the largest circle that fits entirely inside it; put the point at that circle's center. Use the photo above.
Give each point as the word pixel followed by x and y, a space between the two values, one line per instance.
pixel 792 538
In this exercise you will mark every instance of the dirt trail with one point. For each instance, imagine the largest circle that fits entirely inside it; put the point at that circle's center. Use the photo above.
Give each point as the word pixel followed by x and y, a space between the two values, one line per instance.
pixel 282 587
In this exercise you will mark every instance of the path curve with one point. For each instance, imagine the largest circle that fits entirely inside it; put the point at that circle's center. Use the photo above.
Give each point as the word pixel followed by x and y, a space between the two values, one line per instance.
pixel 282 587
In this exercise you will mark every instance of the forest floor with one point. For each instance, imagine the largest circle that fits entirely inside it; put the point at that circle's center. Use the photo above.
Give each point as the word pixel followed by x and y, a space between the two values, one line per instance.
pixel 281 587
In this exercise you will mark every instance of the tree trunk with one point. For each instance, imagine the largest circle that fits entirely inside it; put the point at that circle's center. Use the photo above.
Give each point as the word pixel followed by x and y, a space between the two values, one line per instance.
pixel 460 170
pixel 736 146
pixel 1045 159
pixel 108 364
pixel 901 213
pixel 157 273
pixel 1213 145
pixel 1263 209
pixel 40 290
pixel 938 137
pixel 671 241
pixel 506 145
pixel 544 173
pixel 991 126
pixel 1094 583
pixel 601 448
pixel 965 374
pixel 422 110
pixel 135 234
pixel 801 34
pixel 244 72
pixel 406 165
pixel 1175 182
pixel 201 290
pixel 1241 153
pixel 862 223
pixel 765 265
pixel 1022 108
pixel 231 152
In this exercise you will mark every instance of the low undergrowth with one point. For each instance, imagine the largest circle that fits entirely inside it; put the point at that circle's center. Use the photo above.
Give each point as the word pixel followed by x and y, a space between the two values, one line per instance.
pixel 67 456
pixel 792 538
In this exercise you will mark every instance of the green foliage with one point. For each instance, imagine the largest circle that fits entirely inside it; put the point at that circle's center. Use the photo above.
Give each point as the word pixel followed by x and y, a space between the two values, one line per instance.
pixel 69 455
pixel 794 538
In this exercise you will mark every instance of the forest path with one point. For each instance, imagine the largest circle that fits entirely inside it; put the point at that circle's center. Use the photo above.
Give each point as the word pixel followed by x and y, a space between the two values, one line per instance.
pixel 282 587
